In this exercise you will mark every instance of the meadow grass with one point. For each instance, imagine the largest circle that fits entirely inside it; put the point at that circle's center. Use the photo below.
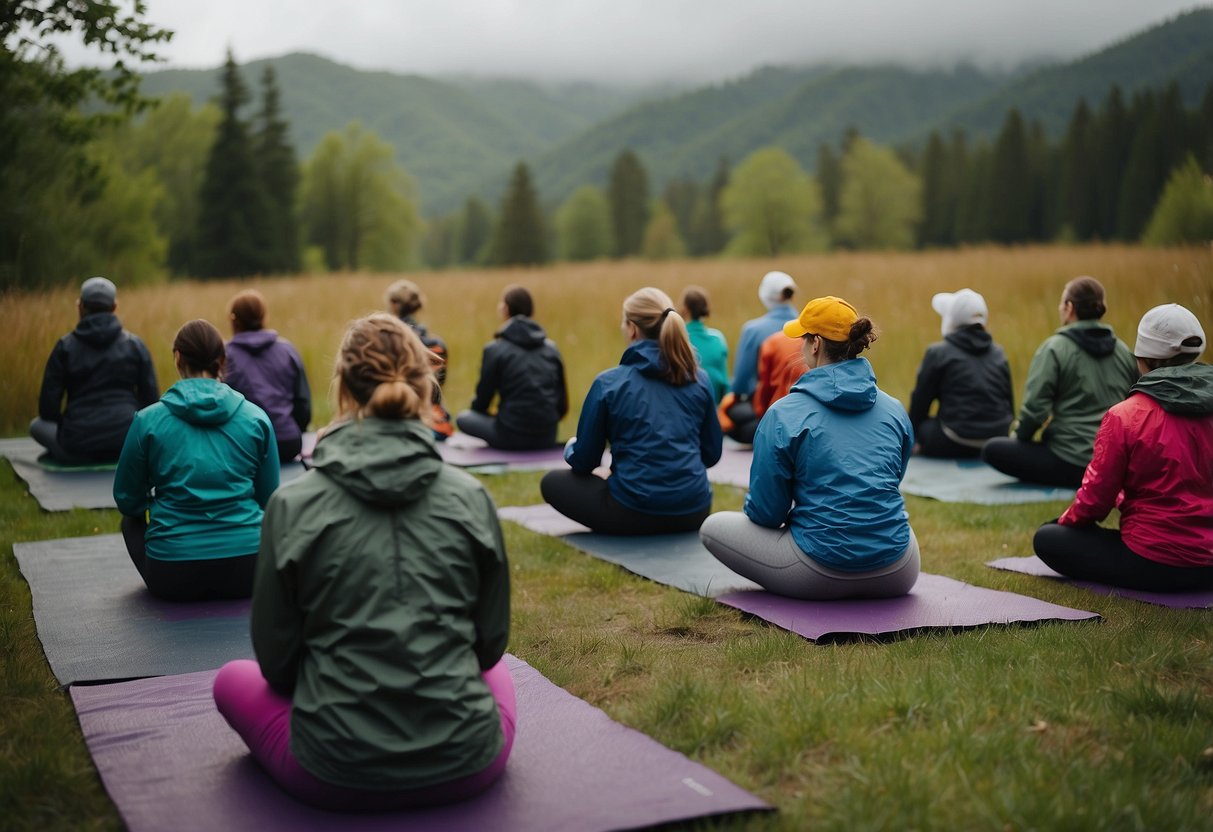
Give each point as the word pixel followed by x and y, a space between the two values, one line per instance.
pixel 1104 725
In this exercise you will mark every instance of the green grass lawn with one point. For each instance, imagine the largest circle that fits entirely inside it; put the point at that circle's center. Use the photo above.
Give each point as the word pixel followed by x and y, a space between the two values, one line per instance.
pixel 1104 725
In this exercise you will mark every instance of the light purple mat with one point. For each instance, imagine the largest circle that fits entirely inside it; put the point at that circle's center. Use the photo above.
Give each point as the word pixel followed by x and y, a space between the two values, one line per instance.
pixel 734 465
pixel 681 561
pixel 466 451
pixel 169 761
pixel 1175 600
pixel 936 603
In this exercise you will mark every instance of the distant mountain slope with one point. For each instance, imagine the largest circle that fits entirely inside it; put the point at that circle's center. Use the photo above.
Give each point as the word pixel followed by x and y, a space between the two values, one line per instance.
pixel 796 109
pixel 1181 49
pixel 451 135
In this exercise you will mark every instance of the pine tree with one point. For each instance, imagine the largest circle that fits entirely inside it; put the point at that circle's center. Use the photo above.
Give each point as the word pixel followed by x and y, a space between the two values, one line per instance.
pixel 682 197
pixel 1112 137
pixel 233 220
pixel 1139 184
pixel 279 174
pixel 1042 172
pixel 829 179
pixel 708 234
pixel 1078 207
pixel 1010 182
pixel 474 230
pixel 939 214
pixel 973 214
pixel 519 238
pixel 628 195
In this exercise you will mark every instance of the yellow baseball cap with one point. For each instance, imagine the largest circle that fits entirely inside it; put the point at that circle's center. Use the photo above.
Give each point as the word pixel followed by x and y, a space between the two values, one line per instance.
pixel 829 317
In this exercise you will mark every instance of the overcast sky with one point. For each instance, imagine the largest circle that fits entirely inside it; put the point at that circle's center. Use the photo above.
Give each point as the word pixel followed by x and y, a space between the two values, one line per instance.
pixel 637 41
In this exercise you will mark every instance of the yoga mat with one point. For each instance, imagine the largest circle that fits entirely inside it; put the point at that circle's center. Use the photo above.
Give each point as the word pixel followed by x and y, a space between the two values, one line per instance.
pixel 681 561
pixel 466 451
pixel 64 489
pixel 97 621
pixel 935 603
pixel 972 481
pixel 734 465
pixel 1175 600
pixel 677 560
pixel 170 761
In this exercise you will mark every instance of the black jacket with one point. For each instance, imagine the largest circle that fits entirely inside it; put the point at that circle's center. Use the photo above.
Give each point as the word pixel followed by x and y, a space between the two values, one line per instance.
pixel 523 367
pixel 968 373
pixel 107 375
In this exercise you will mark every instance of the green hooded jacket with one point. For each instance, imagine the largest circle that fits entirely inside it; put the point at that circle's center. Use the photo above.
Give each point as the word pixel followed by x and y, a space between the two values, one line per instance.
pixel 1076 375
pixel 382 593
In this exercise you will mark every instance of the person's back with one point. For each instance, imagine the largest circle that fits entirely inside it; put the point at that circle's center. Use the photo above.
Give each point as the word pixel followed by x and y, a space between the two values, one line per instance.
pixel 780 365
pixel 106 375
pixel 710 345
pixel 776 292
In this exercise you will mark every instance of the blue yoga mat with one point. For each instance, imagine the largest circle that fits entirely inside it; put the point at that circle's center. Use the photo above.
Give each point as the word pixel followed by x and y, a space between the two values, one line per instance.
pixel 972 481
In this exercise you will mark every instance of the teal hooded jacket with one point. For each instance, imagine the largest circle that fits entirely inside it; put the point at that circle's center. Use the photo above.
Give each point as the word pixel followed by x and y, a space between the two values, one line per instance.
pixel 202 462
pixel 382 593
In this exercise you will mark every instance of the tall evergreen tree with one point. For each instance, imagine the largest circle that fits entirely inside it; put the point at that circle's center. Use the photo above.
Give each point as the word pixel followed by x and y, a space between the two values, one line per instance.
pixel 628 195
pixel 938 197
pixel 474 229
pixel 708 234
pixel 1010 183
pixel 1042 172
pixel 233 218
pixel 519 238
pixel 1112 137
pixel 973 214
pixel 1139 186
pixel 682 196
pixel 279 173
pixel 1078 206
pixel 829 179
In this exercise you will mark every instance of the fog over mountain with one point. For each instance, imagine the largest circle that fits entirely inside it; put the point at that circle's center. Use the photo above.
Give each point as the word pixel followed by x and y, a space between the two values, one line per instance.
pixel 643 41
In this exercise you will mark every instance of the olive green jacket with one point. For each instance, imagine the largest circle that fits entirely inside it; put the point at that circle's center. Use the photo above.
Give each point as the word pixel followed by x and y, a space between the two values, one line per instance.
pixel 1076 375
pixel 382 593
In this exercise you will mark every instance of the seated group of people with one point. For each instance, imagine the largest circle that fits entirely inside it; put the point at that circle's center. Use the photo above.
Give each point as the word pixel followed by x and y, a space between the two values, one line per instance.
pixel 380 583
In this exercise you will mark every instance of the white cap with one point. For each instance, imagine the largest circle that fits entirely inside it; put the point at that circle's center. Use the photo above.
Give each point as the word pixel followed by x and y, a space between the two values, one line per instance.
pixel 959 309
pixel 770 291
pixel 1163 330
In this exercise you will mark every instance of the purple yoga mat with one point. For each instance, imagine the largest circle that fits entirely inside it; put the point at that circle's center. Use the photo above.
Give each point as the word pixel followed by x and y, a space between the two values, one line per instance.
pixel 936 602
pixel 1175 600
pixel 169 761
pixel 469 452
pixel 734 466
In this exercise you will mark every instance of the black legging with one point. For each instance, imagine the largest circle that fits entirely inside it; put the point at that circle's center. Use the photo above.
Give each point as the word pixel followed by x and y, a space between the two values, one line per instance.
pixel 208 579
pixel 1031 462
pixel 288 449
pixel 587 499
pixel 932 441
pixel 1093 553
pixel 483 426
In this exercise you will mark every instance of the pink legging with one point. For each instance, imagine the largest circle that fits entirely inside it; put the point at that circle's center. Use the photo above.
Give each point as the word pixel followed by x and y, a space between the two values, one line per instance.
pixel 262 718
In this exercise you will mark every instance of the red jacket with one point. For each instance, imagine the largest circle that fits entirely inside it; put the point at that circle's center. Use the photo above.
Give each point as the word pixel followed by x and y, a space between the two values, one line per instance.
pixel 1163 463
pixel 780 365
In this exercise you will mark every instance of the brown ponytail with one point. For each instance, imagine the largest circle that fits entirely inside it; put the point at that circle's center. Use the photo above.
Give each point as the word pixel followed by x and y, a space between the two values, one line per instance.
pixel 1087 295
pixel 653 313
pixel 201 348
pixel 863 333
pixel 383 370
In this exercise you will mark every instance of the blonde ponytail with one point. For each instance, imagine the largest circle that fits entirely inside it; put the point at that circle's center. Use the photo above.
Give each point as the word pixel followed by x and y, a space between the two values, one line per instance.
pixel 383 370
pixel 653 313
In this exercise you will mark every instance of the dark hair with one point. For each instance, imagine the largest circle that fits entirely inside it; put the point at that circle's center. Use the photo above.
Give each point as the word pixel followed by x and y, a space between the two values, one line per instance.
pixel 695 302
pixel 1179 359
pixel 863 333
pixel 1087 295
pixel 518 301
pixel 248 311
pixel 201 347
pixel 787 293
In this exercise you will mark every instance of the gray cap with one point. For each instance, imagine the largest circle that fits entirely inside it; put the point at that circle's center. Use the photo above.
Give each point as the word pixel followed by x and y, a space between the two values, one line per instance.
pixel 98 293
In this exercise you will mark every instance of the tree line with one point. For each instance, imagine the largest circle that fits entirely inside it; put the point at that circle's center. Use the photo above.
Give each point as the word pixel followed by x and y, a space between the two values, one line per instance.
pixel 135 191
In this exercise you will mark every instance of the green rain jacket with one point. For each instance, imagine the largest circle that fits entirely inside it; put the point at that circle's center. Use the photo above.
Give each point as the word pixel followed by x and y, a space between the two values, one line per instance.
pixel 1076 375
pixel 382 593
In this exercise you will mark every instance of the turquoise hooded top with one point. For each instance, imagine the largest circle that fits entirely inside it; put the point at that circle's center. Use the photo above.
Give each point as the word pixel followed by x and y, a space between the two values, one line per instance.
pixel 828 461
pixel 203 463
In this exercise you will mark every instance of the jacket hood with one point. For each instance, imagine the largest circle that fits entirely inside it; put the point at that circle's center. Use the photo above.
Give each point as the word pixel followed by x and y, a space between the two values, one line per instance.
pixel 255 341
pixel 385 462
pixel 644 355
pixel 1093 337
pixel 847 385
pixel 1186 390
pixel 972 339
pixel 524 332
pixel 202 401
pixel 99 329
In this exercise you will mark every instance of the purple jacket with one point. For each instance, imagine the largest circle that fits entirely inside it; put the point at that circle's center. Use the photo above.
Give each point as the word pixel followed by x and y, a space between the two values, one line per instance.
pixel 269 372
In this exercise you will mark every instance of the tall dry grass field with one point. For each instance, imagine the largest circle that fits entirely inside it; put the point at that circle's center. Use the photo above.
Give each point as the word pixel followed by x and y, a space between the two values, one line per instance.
pixel 580 304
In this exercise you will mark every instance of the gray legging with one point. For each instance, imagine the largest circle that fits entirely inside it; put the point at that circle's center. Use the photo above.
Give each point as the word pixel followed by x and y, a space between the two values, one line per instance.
pixel 772 559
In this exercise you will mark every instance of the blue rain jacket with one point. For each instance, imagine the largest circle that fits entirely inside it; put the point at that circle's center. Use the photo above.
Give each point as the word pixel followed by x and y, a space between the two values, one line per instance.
pixel 753 333
pixel 663 438
pixel 202 462
pixel 828 461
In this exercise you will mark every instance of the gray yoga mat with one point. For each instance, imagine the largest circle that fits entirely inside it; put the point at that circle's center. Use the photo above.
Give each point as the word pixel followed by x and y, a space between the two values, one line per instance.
pixel 681 561
pixel 1175 600
pixel 734 465
pixel 169 761
pixel 466 451
pixel 97 621
pixel 677 560
pixel 64 490
pixel 972 481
